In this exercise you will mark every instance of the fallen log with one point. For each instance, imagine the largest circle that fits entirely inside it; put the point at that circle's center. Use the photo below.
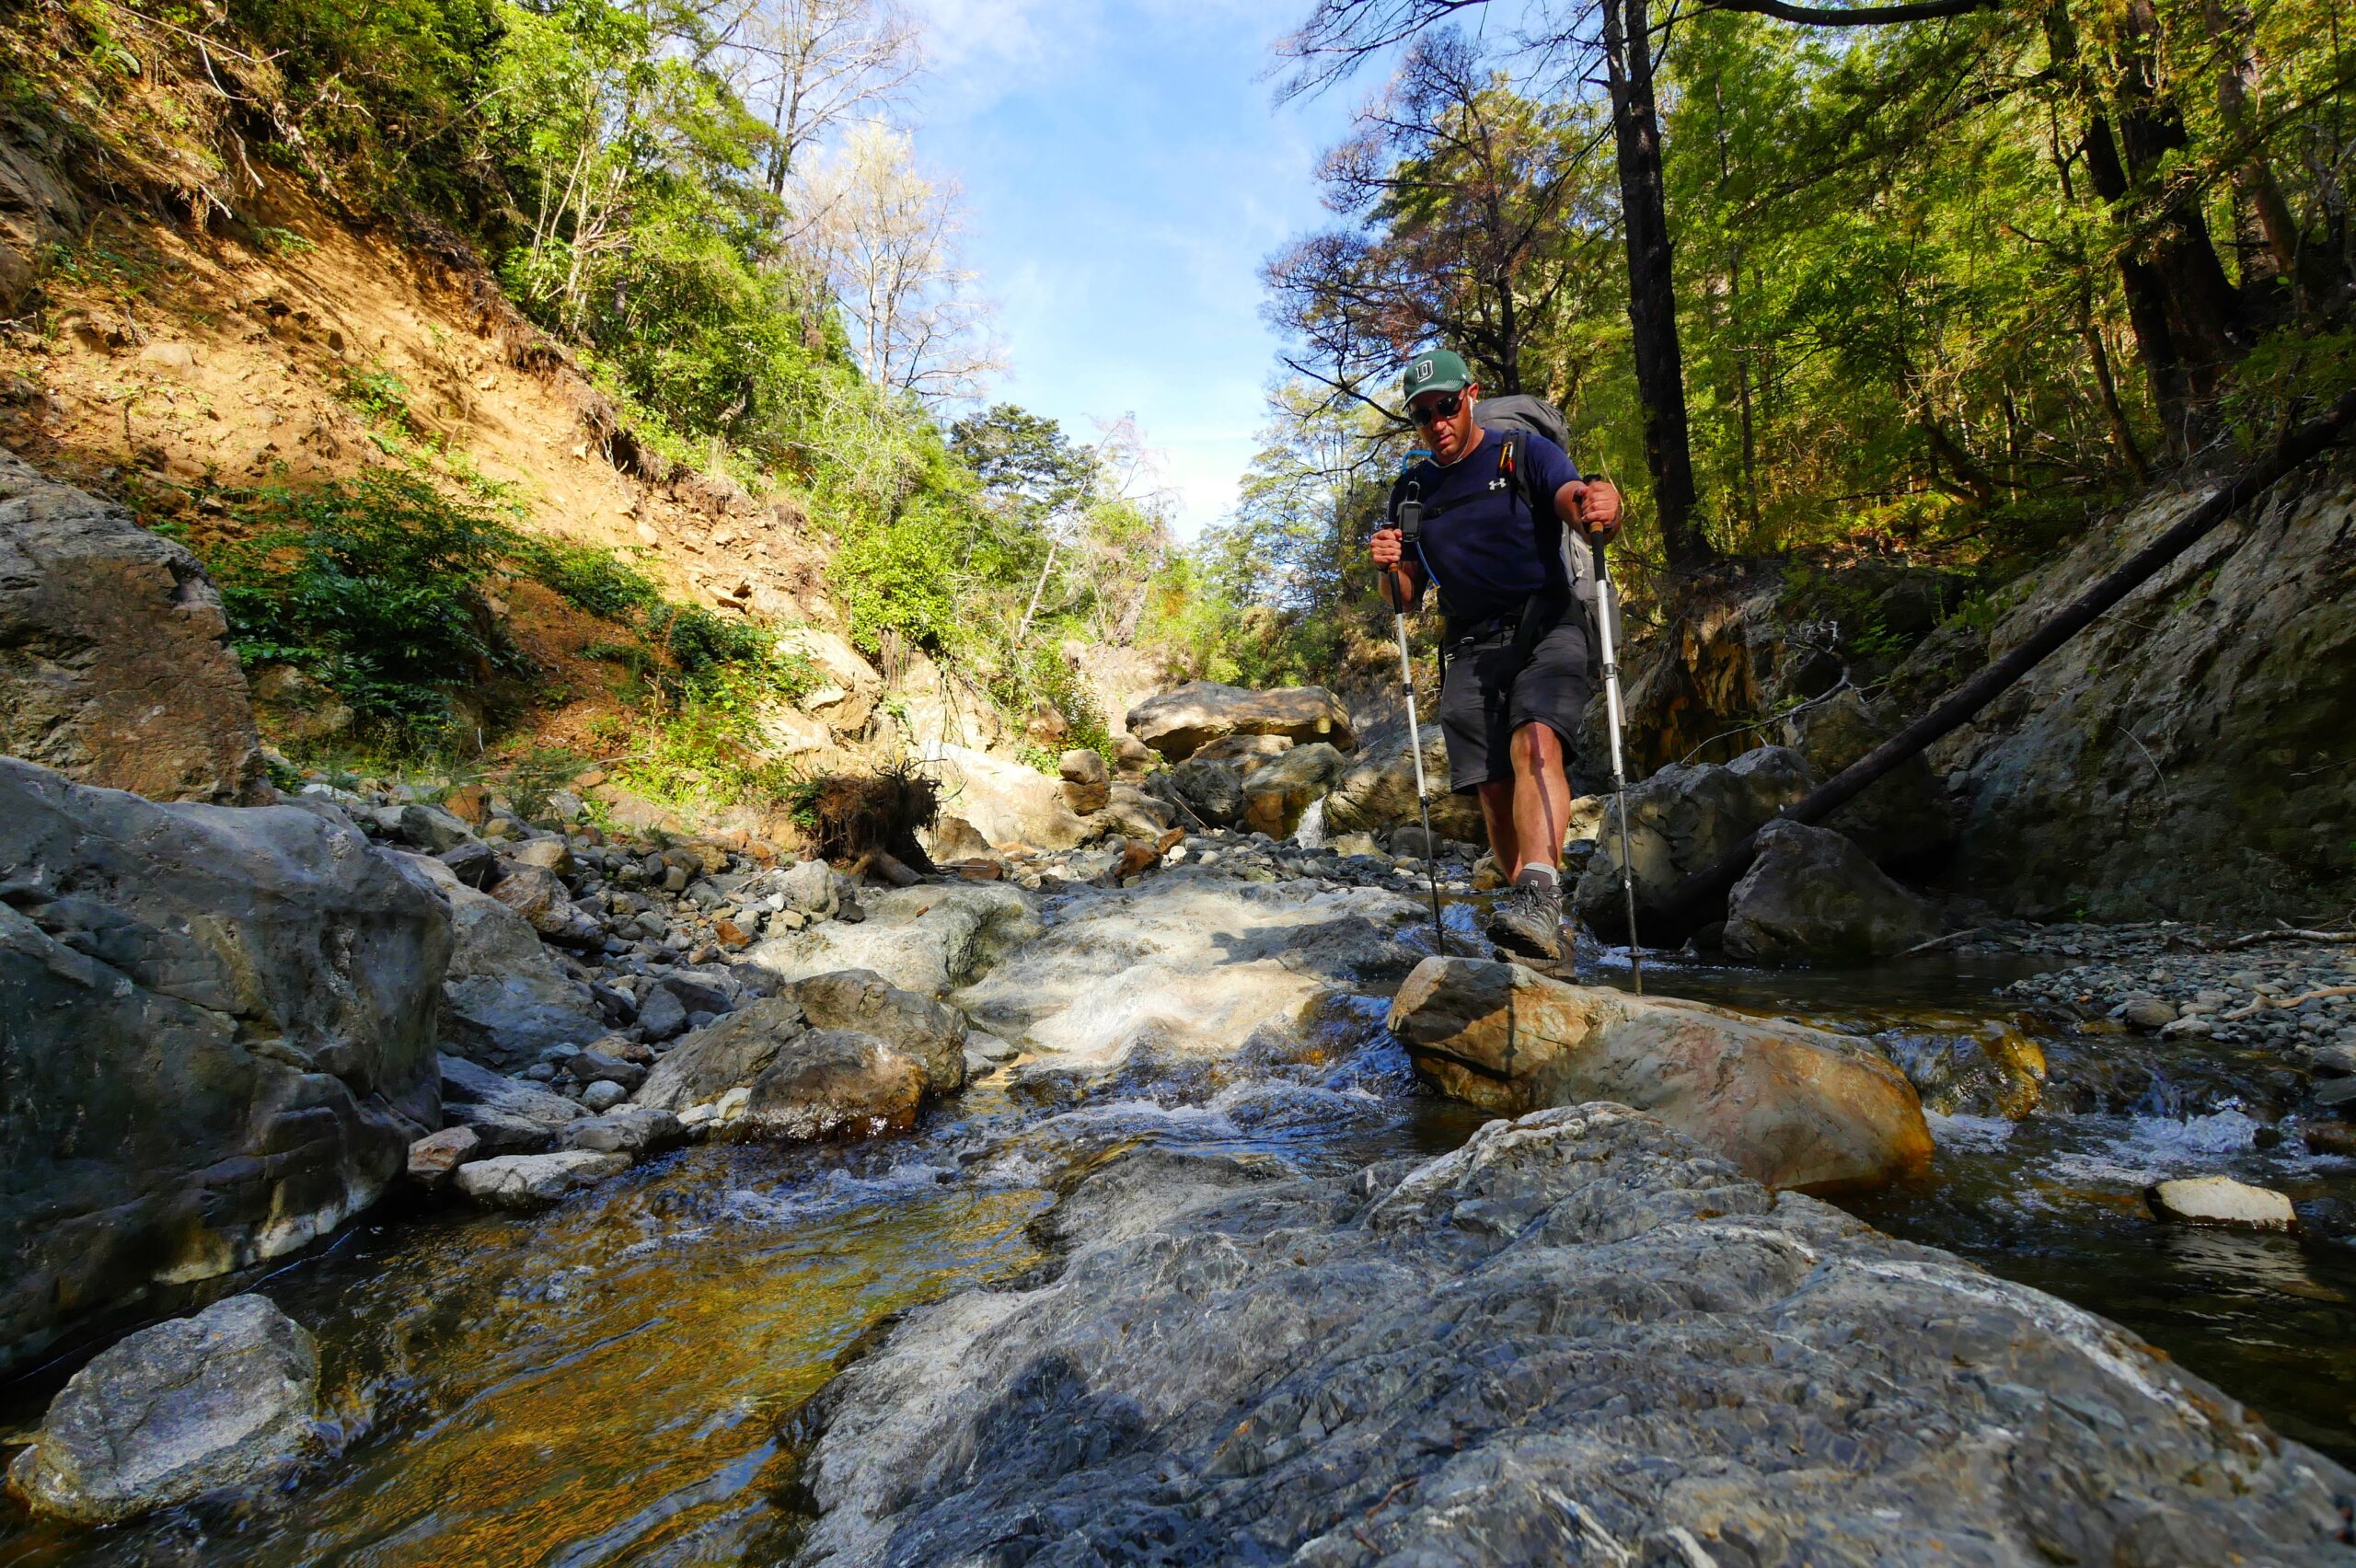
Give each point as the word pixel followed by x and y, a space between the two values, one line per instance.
pixel 1701 897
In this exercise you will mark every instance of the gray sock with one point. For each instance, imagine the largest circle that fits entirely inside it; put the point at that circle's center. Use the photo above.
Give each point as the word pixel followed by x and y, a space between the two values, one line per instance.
pixel 1538 876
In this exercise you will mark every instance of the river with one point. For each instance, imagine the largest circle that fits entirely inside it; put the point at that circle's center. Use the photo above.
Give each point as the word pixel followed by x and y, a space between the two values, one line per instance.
pixel 618 1380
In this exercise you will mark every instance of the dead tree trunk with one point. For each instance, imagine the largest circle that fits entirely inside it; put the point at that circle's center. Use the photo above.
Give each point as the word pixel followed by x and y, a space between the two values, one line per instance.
pixel 1701 897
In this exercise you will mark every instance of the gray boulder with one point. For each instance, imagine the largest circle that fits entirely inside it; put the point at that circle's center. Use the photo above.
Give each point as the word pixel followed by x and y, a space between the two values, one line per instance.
pixel 764 1071
pixel 925 940
pixel 1679 820
pixel 505 998
pixel 1178 723
pixel 809 886
pixel 509 1115
pixel 218 1042
pixel 917 1027
pixel 728 1055
pixel 540 897
pixel 1212 790
pixel 222 1400
pixel 634 1130
pixel 536 1181
pixel 1575 1340
pixel 1281 789
pixel 1813 895
pixel 115 664
pixel 1901 819
pixel 1375 790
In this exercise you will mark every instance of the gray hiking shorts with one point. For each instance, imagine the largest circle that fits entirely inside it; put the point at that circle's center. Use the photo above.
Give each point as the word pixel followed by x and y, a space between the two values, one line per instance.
pixel 1483 700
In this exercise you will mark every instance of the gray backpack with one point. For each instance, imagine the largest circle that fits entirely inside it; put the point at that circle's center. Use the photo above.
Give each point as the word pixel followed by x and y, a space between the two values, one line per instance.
pixel 1513 417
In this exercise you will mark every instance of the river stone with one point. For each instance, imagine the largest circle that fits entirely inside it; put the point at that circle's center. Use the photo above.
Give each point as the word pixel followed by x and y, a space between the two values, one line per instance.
pixel 433 1158
pixel 1681 819
pixel 1276 794
pixel 1375 792
pixel 534 1181
pixel 662 1015
pixel 505 998
pixel 219 1042
pixel 728 1055
pixel 1811 895
pixel 1192 961
pixel 808 886
pixel 927 939
pixel 602 1095
pixel 1178 723
pixel 1212 790
pixel 540 897
pixel 510 1116
pixel 1577 1340
pixel 550 854
pixel 832 1083
pixel 115 664
pixel 2221 1200
pixel 918 1027
pixel 635 1130
pixel 1790 1106
pixel 224 1400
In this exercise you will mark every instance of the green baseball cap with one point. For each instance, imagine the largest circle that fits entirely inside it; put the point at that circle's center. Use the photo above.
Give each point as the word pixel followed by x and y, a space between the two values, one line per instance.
pixel 1436 369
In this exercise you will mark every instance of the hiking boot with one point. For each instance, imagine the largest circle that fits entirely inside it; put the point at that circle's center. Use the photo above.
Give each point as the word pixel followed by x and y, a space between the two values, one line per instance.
pixel 1529 920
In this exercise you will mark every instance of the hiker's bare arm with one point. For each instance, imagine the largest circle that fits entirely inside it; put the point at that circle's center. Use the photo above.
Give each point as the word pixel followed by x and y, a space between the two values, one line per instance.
pixel 1592 506
pixel 1397 578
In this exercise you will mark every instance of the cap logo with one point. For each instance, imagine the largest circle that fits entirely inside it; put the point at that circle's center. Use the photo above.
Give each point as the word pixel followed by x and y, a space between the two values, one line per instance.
pixel 1422 370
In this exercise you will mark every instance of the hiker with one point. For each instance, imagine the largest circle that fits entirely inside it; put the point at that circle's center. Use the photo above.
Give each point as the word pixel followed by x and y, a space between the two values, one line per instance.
pixel 1515 642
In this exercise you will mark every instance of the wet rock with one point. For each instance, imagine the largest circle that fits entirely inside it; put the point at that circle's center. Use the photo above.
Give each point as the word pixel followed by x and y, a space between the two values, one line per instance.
pixel 1790 1106
pixel 832 1083
pixel 638 1131
pixel 918 1027
pixel 535 1181
pixel 510 1116
pixel 1276 795
pixel 223 1401
pixel 1811 895
pixel 115 666
pixel 1005 801
pixel 219 1042
pixel 1679 820
pixel 1213 790
pixel 1193 963
pixel 728 1054
pixel 1177 723
pixel 433 1158
pixel 1577 1340
pixel 925 940
pixel 2221 1200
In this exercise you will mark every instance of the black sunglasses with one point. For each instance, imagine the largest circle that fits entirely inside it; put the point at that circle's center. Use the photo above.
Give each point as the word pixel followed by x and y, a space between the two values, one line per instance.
pixel 1432 413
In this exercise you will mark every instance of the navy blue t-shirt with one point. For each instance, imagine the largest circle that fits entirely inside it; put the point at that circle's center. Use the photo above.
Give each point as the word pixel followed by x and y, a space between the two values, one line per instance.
pixel 1480 542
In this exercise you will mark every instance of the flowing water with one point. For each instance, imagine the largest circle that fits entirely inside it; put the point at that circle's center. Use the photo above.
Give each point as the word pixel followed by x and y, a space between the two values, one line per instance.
pixel 617 1381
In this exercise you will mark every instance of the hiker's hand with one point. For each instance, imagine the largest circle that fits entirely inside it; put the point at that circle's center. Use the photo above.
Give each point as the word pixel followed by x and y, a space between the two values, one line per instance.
pixel 1598 514
pixel 1387 548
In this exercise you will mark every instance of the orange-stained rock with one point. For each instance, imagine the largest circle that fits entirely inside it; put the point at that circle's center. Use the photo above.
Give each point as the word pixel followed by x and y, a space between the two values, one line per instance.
pixel 1792 1106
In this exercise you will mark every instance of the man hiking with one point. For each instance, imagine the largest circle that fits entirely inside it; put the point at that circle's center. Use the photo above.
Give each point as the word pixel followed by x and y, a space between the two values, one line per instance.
pixel 1515 634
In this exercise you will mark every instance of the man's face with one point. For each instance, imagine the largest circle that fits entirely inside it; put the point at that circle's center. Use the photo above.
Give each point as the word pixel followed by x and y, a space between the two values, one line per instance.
pixel 1445 420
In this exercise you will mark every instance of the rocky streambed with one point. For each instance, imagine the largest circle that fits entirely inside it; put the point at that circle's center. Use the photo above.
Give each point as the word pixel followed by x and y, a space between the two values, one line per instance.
pixel 1195 1269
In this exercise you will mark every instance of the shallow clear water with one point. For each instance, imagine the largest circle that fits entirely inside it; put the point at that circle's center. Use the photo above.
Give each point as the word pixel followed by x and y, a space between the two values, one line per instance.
pixel 616 1380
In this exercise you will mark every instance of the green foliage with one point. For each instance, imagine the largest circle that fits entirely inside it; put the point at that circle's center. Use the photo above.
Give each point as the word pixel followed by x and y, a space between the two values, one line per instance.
pixel 590 577
pixel 374 586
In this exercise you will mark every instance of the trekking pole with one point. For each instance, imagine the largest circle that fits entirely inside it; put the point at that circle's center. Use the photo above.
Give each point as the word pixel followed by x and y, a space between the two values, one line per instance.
pixel 1604 595
pixel 1410 524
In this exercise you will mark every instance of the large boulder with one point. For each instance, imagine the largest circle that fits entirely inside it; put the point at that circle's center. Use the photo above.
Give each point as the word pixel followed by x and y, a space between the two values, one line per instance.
pixel 1790 1106
pixel 536 1181
pixel 505 998
pixel 223 1401
pixel 1278 793
pixel 764 1071
pixel 507 1115
pixel 1375 790
pixel 115 664
pixel 216 1034
pixel 1813 895
pixel 1680 820
pixel 927 939
pixel 917 1027
pixel 1579 1339
pixel 1005 801
pixel 1178 723
pixel 1903 818
pixel 1212 790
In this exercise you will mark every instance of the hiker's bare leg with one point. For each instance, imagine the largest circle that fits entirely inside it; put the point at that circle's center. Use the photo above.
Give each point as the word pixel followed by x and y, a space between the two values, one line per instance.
pixel 1496 811
pixel 1540 797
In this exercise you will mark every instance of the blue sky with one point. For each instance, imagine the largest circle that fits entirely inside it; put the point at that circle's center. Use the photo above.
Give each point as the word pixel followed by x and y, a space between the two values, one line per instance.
pixel 1127 173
